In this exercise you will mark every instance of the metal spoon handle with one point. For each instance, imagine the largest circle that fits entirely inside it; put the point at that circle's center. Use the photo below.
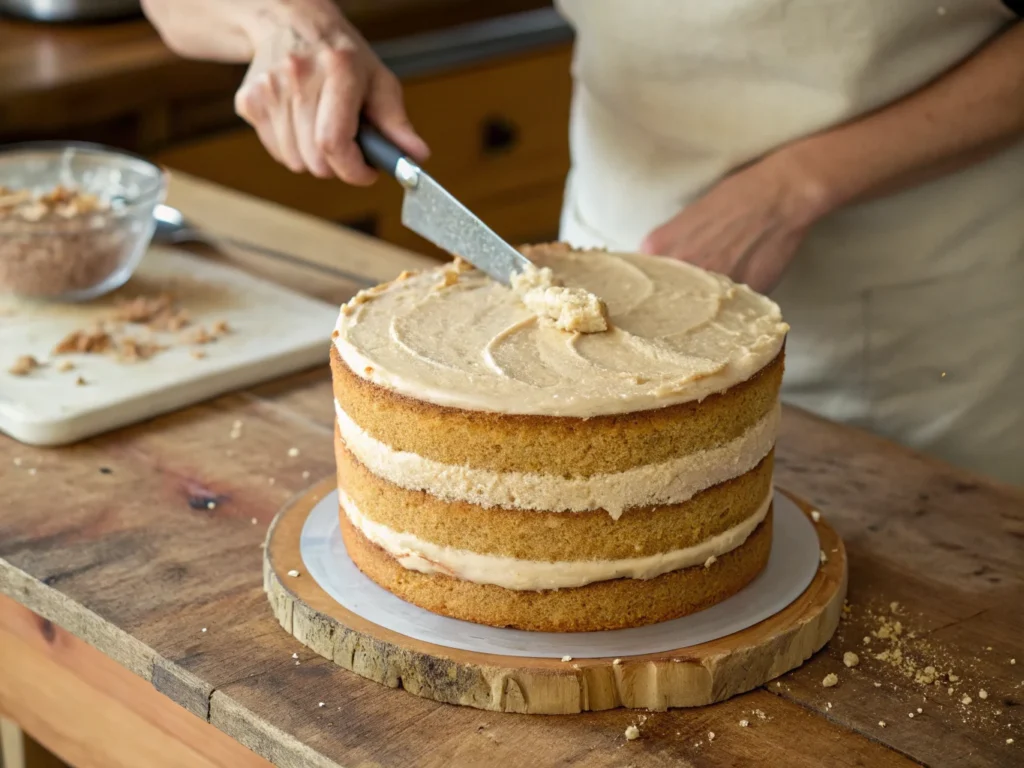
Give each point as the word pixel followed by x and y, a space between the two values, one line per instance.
pixel 215 240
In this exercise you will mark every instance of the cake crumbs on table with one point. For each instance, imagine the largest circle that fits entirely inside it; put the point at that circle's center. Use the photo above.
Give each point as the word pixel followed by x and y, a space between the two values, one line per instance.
pixel 632 733
pixel 80 381
pixel 293 452
pixel 831 680
pixel 983 694
pixel 65 365
pixel 851 659
pixel 744 723
pixel 567 658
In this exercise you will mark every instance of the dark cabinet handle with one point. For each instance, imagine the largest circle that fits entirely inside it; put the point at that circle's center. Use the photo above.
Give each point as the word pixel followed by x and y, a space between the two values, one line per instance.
pixel 497 135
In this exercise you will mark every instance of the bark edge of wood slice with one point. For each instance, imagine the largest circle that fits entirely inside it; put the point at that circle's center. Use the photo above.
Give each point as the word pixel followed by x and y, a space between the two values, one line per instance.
pixel 688 677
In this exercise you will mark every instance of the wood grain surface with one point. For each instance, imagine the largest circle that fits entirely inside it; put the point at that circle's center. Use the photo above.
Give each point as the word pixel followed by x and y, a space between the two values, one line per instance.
pixel 684 677
pixel 137 540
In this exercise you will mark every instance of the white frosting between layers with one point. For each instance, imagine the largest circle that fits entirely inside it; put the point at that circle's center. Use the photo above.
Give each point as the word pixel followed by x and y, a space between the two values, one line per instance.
pixel 670 482
pixel 676 334
pixel 415 554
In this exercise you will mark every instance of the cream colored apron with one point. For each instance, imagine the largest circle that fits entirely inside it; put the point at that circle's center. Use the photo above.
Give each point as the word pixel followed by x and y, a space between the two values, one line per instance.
pixel 907 313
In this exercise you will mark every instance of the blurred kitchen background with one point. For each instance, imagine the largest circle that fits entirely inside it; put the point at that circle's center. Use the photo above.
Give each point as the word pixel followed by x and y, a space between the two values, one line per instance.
pixel 487 85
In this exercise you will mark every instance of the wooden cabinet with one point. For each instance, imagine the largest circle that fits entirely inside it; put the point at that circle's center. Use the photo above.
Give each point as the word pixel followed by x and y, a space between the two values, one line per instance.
pixel 499 135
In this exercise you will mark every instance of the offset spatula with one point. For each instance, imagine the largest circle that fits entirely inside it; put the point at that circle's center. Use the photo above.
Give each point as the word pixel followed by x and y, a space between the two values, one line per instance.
pixel 430 210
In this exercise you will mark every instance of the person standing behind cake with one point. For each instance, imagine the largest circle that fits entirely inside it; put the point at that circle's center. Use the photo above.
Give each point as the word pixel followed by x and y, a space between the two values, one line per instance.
pixel 862 161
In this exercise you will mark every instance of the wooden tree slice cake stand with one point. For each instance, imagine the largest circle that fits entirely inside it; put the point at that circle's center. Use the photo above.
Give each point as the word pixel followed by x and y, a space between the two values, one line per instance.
pixel 685 677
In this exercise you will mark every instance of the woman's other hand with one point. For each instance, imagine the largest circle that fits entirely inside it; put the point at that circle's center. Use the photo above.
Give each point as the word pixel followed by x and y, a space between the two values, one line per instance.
pixel 309 83
pixel 748 226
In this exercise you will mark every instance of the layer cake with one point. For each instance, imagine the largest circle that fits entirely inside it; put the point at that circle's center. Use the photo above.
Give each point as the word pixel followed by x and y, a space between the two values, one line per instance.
pixel 497 469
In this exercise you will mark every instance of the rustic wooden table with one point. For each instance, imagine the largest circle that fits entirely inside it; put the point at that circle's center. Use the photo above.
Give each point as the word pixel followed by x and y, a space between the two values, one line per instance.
pixel 126 592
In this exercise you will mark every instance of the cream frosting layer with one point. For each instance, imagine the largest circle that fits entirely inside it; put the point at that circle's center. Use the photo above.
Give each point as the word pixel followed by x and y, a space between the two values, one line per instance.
pixel 415 554
pixel 669 482
pixel 459 339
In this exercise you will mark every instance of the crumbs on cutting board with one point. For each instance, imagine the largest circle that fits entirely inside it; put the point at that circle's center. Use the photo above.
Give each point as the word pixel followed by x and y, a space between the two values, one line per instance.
pixel 135 330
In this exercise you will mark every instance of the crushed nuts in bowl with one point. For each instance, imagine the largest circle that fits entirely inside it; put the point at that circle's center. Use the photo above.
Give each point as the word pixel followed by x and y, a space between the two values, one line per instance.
pixel 75 219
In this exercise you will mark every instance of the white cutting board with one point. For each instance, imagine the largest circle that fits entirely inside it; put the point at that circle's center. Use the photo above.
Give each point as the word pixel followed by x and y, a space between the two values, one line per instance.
pixel 274 331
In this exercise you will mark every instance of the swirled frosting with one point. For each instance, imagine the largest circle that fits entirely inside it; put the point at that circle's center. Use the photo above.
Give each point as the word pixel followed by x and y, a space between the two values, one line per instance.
pixel 456 338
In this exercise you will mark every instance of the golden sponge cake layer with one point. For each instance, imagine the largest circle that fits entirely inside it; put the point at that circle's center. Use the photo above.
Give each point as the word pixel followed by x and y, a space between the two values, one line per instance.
pixel 603 605
pixel 553 536
pixel 555 445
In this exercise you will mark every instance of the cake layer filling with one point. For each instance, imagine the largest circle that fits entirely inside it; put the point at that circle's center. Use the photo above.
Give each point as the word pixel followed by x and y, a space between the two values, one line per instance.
pixel 458 339
pixel 670 482
pixel 415 554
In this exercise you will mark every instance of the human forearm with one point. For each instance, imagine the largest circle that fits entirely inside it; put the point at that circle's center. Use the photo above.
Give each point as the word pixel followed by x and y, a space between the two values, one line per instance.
pixel 964 116
pixel 228 30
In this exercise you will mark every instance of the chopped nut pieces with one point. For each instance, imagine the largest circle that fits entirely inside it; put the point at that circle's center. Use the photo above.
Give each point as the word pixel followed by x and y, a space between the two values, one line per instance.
pixel 79 242
pixel 966 699
pixel 293 573
pixel 89 341
pixel 711 735
pixel 744 723
pixel 632 733
pixel 851 659
pixel 710 561
pixel 23 366
pixel 881 723
pixel 831 680
pixel 982 694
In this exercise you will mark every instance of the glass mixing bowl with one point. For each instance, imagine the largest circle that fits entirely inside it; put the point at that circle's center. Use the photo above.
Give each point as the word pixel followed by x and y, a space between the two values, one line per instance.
pixel 75 219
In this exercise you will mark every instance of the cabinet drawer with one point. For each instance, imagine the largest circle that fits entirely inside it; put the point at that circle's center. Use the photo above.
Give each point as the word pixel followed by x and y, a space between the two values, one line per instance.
pixel 496 131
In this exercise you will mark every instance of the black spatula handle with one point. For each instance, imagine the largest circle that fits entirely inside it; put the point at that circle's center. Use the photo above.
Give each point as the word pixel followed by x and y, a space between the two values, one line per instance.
pixel 379 151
